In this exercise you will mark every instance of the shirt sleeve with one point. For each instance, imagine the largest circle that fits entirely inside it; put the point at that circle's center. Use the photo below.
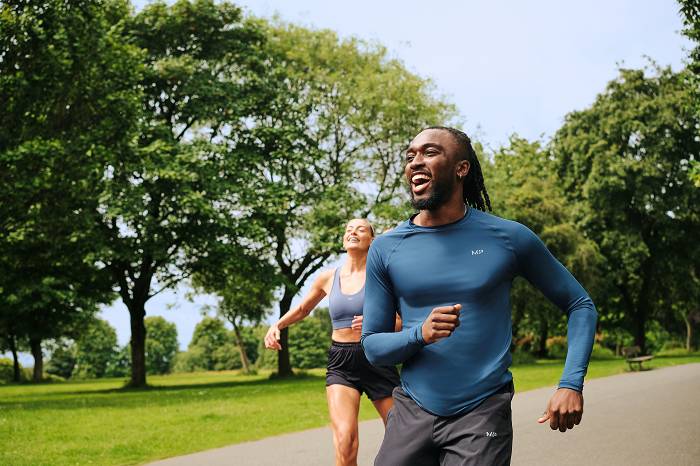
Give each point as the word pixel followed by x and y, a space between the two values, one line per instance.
pixel 382 345
pixel 546 273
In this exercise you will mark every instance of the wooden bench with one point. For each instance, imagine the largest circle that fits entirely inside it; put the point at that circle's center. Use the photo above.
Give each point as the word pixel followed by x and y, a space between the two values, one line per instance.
pixel 632 356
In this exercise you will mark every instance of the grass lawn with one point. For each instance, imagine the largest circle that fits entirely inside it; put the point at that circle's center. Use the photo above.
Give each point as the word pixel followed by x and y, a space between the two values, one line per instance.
pixel 97 422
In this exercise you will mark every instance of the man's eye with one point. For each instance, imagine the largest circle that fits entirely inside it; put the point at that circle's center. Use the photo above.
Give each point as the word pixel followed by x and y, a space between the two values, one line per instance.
pixel 410 157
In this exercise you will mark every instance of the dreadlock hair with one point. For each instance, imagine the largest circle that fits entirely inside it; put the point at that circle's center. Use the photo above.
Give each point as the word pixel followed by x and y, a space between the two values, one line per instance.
pixel 473 189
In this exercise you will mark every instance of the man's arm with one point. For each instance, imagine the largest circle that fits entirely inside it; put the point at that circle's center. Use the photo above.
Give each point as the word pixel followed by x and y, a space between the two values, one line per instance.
pixel 540 268
pixel 382 345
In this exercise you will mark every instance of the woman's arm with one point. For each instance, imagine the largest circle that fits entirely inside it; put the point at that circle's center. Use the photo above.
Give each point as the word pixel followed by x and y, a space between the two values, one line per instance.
pixel 307 305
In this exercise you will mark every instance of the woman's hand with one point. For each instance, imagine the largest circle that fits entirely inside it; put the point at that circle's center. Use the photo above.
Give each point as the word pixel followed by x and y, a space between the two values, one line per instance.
pixel 356 323
pixel 272 338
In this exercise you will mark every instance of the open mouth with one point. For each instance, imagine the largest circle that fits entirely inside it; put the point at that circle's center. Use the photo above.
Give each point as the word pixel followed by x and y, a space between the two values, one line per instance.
pixel 353 240
pixel 420 183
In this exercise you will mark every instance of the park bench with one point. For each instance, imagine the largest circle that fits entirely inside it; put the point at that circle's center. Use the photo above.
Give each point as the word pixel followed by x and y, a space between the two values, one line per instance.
pixel 631 354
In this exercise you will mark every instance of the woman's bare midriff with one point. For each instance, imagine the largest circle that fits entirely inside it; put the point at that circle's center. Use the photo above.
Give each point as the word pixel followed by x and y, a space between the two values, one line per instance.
pixel 346 335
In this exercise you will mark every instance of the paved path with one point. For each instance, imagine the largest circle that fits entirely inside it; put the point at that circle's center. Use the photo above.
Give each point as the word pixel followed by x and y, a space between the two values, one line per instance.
pixel 642 418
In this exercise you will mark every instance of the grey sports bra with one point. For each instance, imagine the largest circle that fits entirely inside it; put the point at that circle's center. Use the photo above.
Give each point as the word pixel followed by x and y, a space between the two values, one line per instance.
pixel 343 307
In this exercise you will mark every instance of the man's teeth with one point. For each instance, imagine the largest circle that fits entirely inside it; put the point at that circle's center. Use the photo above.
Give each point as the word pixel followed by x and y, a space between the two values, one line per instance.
pixel 419 179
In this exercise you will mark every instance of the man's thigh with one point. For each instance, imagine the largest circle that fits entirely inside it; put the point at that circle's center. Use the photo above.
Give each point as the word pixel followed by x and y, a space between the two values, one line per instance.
pixel 483 436
pixel 408 439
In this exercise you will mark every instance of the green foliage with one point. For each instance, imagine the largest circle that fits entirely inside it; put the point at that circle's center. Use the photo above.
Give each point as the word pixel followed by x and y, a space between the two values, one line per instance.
pixel 557 347
pixel 310 339
pixel 161 345
pixel 192 360
pixel 120 365
pixel 6 370
pixel 523 188
pixel 520 357
pixel 624 162
pixel 63 358
pixel 95 350
pixel 331 117
pixel 221 408
pixel 601 353
pixel 211 348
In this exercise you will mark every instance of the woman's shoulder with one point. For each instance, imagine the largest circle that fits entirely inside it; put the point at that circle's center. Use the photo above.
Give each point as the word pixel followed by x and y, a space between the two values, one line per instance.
pixel 325 277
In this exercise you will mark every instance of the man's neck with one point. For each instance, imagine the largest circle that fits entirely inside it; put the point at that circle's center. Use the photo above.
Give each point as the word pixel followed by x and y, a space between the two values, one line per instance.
pixel 449 212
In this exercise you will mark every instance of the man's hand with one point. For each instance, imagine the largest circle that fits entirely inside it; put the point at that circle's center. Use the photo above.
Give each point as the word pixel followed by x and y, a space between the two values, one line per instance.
pixel 440 324
pixel 564 410
pixel 356 323
pixel 272 338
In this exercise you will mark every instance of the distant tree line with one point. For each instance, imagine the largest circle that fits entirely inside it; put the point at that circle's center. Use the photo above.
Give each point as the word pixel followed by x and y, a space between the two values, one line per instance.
pixel 189 143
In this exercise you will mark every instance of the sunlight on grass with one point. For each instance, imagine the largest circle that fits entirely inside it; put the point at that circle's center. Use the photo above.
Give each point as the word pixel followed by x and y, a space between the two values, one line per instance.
pixel 99 422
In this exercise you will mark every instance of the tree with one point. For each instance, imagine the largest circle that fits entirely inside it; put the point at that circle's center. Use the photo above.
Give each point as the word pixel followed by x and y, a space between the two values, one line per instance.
pixel 324 146
pixel 63 358
pixel 244 281
pixel 96 348
pixel 310 339
pixel 624 162
pixel 161 345
pixel 63 69
pixel 162 203
pixel 209 335
pixel 525 189
pixel 8 342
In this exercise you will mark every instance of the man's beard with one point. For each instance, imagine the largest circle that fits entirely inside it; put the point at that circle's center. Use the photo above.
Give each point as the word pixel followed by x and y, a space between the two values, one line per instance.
pixel 440 193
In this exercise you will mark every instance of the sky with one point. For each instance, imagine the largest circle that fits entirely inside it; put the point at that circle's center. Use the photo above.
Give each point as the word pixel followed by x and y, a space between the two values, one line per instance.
pixel 509 66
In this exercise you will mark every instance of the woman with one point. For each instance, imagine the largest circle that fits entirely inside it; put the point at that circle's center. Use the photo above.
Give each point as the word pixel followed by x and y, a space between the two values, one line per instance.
pixel 349 373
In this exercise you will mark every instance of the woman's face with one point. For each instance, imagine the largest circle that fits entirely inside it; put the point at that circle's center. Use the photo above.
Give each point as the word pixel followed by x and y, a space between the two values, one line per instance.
pixel 358 235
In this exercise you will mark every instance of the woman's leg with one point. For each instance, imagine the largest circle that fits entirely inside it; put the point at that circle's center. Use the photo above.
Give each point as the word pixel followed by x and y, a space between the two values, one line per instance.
pixel 344 406
pixel 383 405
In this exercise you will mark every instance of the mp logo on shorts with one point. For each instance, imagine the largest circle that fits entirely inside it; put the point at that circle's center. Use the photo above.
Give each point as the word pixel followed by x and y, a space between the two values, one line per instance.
pixel 478 252
pixel 491 434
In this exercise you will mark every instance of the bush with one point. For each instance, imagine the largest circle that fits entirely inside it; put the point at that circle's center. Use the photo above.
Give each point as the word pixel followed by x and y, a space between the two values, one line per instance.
pixel 675 352
pixel 161 344
pixel 521 356
pixel 556 347
pixel 7 370
pixel 227 357
pixel 192 360
pixel 120 364
pixel 63 359
pixel 673 345
pixel 601 352
pixel 308 343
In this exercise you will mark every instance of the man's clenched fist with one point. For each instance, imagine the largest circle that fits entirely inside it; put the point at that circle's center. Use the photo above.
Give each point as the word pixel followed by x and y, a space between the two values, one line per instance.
pixel 441 322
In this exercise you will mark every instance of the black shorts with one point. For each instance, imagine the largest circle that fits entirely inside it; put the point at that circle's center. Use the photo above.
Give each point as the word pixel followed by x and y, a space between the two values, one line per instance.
pixel 348 365
pixel 415 437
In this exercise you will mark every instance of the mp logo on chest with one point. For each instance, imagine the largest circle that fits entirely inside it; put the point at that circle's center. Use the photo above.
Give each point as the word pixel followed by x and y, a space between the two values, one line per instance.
pixel 478 252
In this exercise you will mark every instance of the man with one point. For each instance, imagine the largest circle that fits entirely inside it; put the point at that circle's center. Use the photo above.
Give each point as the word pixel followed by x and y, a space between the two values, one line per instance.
pixel 448 271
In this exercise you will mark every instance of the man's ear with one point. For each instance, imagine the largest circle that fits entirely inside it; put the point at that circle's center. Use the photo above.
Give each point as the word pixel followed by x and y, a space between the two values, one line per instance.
pixel 463 168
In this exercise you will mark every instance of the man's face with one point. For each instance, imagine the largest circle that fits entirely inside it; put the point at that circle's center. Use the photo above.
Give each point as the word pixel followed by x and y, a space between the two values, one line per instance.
pixel 433 169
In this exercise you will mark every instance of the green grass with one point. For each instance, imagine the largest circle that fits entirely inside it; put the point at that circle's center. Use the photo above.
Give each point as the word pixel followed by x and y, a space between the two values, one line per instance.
pixel 97 422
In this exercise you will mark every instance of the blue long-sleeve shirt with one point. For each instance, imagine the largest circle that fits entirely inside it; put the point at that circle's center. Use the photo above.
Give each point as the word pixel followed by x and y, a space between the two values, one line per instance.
pixel 473 261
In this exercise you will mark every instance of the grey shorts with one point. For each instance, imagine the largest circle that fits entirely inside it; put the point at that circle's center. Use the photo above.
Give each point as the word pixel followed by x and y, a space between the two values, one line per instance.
pixel 415 437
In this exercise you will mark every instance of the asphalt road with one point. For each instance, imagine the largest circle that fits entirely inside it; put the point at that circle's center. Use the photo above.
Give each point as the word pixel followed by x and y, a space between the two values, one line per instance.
pixel 641 418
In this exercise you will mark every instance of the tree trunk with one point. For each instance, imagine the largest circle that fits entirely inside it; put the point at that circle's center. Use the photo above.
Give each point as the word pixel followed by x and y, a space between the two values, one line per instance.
pixel 241 347
pixel 639 331
pixel 544 334
pixel 284 368
pixel 688 333
pixel 138 345
pixel 15 359
pixel 35 346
